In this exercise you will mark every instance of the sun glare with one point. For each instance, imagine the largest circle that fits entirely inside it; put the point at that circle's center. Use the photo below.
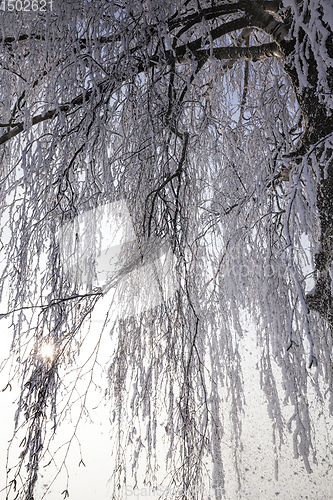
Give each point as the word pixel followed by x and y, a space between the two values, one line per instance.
pixel 47 352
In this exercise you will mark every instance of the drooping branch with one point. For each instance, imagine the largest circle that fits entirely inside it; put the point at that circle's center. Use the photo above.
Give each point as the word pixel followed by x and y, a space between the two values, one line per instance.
pixel 246 36
pixel 202 194
pixel 256 15
pixel 187 21
pixel 232 53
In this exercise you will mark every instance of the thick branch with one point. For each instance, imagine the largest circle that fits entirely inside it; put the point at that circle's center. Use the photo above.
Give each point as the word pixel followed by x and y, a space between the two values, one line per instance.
pixel 233 53
pixel 80 99
pixel 207 14
pixel 271 6
pixel 262 20
pixel 248 53
pixel 190 20
pixel 216 33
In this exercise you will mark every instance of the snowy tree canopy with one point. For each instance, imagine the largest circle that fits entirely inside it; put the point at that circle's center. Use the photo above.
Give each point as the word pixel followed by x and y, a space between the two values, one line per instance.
pixel 209 124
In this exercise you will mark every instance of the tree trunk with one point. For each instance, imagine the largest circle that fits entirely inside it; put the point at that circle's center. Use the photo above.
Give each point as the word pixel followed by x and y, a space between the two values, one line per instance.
pixel 318 124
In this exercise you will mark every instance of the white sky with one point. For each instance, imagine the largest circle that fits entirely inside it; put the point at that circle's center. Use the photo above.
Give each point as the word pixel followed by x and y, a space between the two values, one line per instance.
pixel 89 482
pixel 258 480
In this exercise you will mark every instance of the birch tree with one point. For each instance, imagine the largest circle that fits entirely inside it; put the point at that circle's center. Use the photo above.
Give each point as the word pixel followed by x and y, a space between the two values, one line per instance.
pixel 211 121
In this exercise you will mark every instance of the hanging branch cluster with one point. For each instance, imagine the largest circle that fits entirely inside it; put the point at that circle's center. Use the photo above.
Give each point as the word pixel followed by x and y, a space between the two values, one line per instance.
pixel 211 122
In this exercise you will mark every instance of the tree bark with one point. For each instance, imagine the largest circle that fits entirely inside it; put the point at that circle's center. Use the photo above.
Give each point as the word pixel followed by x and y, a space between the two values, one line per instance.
pixel 318 124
